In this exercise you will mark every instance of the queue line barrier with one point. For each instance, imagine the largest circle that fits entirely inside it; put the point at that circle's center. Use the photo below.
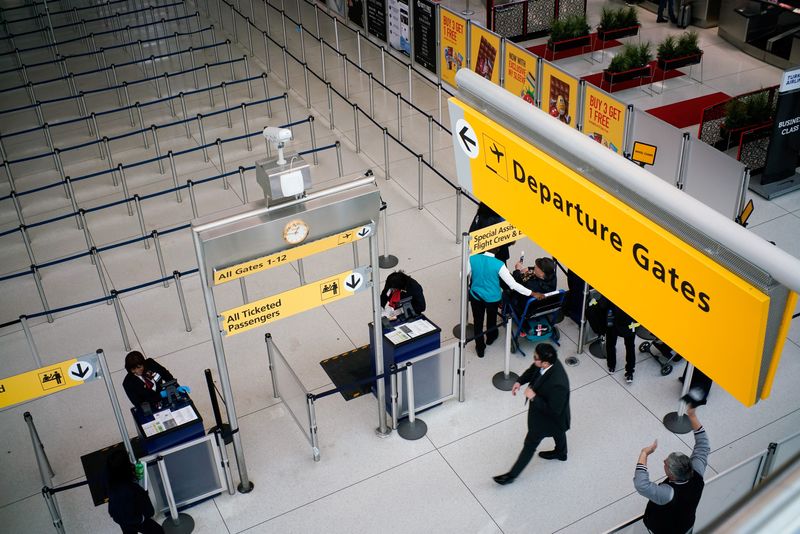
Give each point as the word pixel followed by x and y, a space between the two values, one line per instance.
pixel 356 108
pixel 82 22
pixel 61 61
pixel 64 11
pixel 19 51
pixel 120 169
pixel 153 130
pixel 80 95
pixel 71 76
pixel 93 251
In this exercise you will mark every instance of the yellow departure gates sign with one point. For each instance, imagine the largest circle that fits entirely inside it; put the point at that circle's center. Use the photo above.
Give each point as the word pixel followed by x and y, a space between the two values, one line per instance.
pixel 276 307
pixel 712 317
pixel 499 234
pixel 283 257
pixel 41 382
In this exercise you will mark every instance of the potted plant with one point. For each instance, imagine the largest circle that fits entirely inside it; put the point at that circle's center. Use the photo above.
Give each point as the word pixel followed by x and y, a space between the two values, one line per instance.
pixel 675 53
pixel 745 113
pixel 633 62
pixel 618 23
pixel 569 32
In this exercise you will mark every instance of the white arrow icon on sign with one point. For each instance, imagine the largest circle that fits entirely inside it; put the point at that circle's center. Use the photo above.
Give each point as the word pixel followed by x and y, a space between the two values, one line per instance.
pixel 81 371
pixel 353 282
pixel 467 139
pixel 364 232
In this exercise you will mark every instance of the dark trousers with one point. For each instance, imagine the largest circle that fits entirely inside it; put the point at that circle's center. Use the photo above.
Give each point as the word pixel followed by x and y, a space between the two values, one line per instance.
pixel 630 351
pixel 481 310
pixel 532 440
pixel 148 526
pixel 664 3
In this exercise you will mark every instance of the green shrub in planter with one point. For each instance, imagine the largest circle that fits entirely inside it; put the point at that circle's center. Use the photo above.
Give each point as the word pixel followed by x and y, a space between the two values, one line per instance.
pixel 619 63
pixel 687 44
pixel 628 17
pixel 612 19
pixel 568 28
pixel 643 55
pixel 747 111
pixel 631 57
pixel 667 49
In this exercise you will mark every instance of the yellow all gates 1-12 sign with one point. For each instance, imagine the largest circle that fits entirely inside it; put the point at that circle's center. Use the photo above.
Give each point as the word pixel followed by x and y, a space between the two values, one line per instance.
pixel 276 307
pixel 712 317
pixel 46 380
pixel 289 255
pixel 499 234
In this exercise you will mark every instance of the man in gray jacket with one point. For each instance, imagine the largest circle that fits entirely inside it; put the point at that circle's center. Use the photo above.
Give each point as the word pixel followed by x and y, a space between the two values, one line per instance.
pixel 673 502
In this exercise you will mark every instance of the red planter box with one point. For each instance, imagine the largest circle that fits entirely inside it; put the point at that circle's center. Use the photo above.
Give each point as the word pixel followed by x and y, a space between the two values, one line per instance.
pixel 616 33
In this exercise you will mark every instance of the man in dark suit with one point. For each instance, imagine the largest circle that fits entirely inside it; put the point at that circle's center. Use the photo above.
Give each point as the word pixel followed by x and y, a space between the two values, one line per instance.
pixel 548 409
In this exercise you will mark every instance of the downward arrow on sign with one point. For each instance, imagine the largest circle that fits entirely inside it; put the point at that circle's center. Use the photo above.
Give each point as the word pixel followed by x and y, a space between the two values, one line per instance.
pixel 353 281
pixel 79 371
pixel 363 232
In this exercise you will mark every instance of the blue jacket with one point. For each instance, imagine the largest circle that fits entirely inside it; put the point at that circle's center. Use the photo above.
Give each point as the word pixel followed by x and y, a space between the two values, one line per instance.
pixel 485 278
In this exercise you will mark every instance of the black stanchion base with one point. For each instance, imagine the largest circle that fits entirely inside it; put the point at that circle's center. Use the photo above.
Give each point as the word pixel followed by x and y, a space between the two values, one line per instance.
pixel 597 349
pixel 677 424
pixel 572 361
pixel 185 524
pixel 243 489
pixel 412 430
pixel 470 330
pixel 503 382
pixel 388 261
pixel 227 435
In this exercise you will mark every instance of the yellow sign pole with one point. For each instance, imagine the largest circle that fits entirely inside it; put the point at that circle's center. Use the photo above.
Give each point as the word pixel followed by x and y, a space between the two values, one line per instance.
pixel 276 307
pixel 283 257
pixel 499 234
pixel 44 381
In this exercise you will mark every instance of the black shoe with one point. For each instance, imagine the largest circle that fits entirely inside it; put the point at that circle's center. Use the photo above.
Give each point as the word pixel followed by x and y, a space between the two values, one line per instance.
pixel 480 352
pixel 504 479
pixel 661 19
pixel 611 369
pixel 629 378
pixel 489 340
pixel 673 20
pixel 552 455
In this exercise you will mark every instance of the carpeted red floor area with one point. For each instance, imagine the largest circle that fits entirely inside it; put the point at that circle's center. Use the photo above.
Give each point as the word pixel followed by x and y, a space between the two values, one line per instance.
pixel 596 79
pixel 541 50
pixel 687 112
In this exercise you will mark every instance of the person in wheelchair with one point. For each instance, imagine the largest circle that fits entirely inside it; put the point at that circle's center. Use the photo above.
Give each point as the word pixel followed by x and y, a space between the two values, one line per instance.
pixel 540 279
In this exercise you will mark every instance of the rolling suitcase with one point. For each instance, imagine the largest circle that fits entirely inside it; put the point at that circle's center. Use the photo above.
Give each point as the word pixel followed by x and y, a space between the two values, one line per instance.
pixel 685 15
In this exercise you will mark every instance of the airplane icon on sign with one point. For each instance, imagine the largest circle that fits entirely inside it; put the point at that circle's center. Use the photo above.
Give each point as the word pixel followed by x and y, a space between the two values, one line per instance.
pixel 496 152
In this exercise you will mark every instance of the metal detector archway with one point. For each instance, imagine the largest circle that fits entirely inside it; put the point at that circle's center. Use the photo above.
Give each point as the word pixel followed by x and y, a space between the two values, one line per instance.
pixel 258 236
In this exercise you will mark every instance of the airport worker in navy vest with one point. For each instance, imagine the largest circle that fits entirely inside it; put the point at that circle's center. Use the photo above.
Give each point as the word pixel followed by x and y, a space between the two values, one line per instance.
pixel 485 294
pixel 673 503
pixel 547 396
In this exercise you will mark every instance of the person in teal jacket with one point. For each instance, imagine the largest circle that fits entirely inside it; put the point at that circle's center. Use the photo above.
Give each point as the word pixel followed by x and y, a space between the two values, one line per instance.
pixel 485 295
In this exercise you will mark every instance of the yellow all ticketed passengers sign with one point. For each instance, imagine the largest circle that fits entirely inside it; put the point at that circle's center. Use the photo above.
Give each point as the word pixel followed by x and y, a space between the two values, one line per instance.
pixel 712 317
pixel 276 307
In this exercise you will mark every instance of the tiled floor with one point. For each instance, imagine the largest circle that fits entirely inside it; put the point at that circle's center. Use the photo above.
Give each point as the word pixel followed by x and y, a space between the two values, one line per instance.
pixel 441 483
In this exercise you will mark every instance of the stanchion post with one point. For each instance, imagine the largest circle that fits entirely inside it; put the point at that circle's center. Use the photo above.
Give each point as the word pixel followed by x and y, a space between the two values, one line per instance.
pixel 154 130
pixel 142 227
pixel 246 123
pixel 203 143
pixel 505 379
pixel 145 142
pixel 462 336
pixel 399 118
pixel 225 101
pixel 393 394
pixel 266 93
pixel 411 428
pixel 678 422
pixel 380 385
pixel 356 128
pixel 86 235
pixel 459 193
pixel 314 155
pixel 120 319
pixel 420 182
pixel 245 199
pixel 226 464
pixel 410 86
pixel 308 89
pixel 582 329
pixel 100 275
pixel 23 320
pixel 192 198
pixel 112 395
pixel 182 300
pixel 312 426
pixel 174 173
pixel 286 80
pixel 386 261
pixel 26 240
pixel 126 194
pixel 270 357
pixel 17 207
pixel 221 155
pixel 386 153
pixel 178 519
pixel 339 164
pixel 430 140
pixel 301 272
pixel 37 279
pixel 370 81
pixel 346 75
pixel 160 257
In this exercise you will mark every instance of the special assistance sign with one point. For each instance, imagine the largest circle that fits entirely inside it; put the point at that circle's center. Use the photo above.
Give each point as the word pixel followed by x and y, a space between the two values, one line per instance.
pixel 43 381
pixel 270 309
pixel 709 315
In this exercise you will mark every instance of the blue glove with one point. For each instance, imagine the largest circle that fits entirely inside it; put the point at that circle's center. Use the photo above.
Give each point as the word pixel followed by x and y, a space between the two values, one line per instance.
pixel 184 389
pixel 163 393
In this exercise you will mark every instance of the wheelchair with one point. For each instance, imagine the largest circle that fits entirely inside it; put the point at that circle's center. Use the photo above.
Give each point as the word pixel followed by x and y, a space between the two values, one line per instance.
pixel 547 311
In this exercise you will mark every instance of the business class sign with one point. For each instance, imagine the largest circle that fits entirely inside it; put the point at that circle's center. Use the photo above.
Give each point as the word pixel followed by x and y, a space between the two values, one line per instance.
pixel 706 313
